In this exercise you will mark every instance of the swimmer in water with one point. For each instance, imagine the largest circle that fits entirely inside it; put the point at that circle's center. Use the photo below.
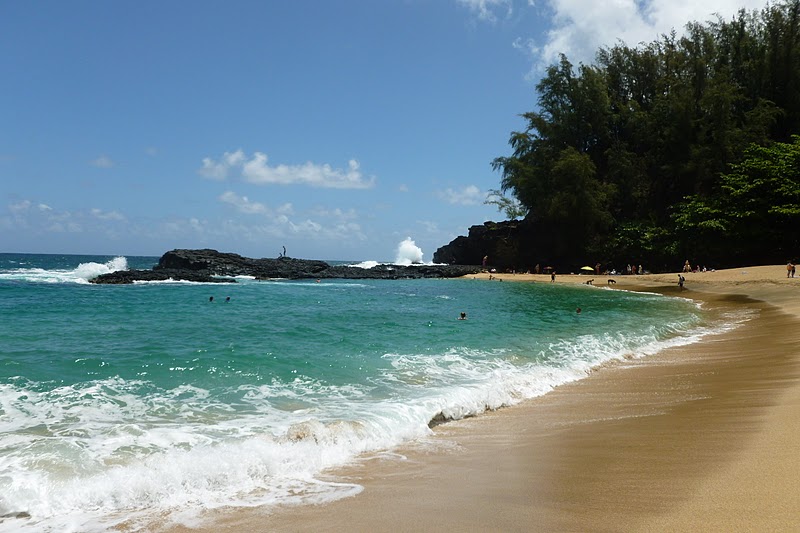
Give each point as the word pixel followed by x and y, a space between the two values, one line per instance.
pixel 462 316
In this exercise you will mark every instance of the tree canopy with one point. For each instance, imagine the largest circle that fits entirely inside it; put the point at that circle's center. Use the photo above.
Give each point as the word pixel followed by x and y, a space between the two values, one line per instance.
pixel 681 147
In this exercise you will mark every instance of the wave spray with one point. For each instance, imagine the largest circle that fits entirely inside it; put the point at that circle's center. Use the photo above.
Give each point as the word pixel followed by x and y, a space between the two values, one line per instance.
pixel 408 253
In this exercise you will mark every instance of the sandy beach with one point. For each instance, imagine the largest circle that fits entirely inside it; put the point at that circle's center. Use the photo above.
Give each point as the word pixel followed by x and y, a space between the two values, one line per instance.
pixel 702 437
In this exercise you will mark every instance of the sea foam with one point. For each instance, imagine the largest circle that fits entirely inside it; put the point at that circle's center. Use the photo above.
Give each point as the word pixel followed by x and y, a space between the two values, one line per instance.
pixel 81 274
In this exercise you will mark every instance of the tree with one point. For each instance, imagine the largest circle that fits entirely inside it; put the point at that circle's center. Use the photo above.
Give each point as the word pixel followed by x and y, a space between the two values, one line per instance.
pixel 512 207
pixel 689 121
pixel 757 208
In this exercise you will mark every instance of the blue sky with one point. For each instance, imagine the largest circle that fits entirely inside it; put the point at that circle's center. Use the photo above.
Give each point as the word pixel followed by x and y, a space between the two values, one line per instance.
pixel 335 128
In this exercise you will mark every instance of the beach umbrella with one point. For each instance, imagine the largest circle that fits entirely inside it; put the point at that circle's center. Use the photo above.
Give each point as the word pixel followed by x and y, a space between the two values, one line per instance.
pixel 588 268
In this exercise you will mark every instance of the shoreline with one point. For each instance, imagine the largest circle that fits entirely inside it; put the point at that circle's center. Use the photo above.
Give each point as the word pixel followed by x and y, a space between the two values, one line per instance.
pixel 697 437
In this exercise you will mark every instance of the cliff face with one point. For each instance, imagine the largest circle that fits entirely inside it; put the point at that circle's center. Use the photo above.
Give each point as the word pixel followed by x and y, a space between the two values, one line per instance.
pixel 517 244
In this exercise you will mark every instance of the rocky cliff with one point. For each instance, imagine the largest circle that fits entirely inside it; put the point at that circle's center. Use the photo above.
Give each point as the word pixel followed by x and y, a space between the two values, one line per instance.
pixel 219 267
pixel 509 245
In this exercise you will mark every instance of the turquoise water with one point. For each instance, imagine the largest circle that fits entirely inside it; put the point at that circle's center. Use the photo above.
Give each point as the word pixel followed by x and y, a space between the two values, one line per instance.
pixel 119 402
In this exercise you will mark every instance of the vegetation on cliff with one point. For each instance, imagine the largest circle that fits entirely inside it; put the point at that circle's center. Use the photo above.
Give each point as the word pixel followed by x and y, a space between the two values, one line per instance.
pixel 680 148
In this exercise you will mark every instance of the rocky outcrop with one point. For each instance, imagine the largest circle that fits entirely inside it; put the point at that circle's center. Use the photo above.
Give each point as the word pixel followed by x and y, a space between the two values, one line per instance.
pixel 213 266
pixel 227 264
pixel 123 277
pixel 502 243
pixel 399 272
pixel 510 245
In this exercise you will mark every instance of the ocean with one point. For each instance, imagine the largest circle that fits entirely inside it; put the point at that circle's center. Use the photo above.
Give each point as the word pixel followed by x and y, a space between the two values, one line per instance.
pixel 119 404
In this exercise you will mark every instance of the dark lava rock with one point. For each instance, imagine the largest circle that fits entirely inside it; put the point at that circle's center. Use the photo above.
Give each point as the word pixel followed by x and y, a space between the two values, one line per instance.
pixel 227 264
pixel 122 277
pixel 398 272
pixel 208 265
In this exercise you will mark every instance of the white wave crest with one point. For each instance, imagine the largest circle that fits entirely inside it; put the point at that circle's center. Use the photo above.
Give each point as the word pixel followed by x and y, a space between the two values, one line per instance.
pixel 408 253
pixel 82 274
pixel 87 271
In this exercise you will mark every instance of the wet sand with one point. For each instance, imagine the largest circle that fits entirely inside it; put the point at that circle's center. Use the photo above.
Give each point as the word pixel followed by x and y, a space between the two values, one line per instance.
pixel 697 438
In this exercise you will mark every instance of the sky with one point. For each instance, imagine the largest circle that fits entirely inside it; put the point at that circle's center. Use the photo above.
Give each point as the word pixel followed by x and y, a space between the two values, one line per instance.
pixel 336 129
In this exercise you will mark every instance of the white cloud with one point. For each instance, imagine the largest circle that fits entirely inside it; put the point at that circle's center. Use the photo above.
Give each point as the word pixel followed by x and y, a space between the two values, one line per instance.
pixel 106 215
pixel 485 9
pixel 243 204
pixel 580 27
pixel 102 162
pixel 257 170
pixel 279 224
pixel 469 195
pixel 40 219
pixel 20 207
pixel 335 213
pixel 27 205
pixel 219 171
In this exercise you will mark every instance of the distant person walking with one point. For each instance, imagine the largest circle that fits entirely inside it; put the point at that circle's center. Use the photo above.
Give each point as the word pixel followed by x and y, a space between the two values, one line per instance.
pixel 552 276
pixel 789 268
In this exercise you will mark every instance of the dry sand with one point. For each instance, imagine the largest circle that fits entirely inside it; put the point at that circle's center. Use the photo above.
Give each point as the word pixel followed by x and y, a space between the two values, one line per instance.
pixel 703 437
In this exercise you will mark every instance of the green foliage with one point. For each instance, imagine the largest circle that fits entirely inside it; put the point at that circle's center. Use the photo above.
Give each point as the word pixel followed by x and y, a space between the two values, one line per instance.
pixel 512 207
pixel 757 205
pixel 676 146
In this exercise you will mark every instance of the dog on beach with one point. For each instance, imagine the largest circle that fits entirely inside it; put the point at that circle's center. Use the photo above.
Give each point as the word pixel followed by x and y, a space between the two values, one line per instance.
pixel 610 281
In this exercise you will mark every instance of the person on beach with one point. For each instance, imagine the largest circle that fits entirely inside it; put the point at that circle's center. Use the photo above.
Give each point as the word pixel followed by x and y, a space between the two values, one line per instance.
pixel 552 276
pixel 789 268
pixel 687 267
pixel 681 280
